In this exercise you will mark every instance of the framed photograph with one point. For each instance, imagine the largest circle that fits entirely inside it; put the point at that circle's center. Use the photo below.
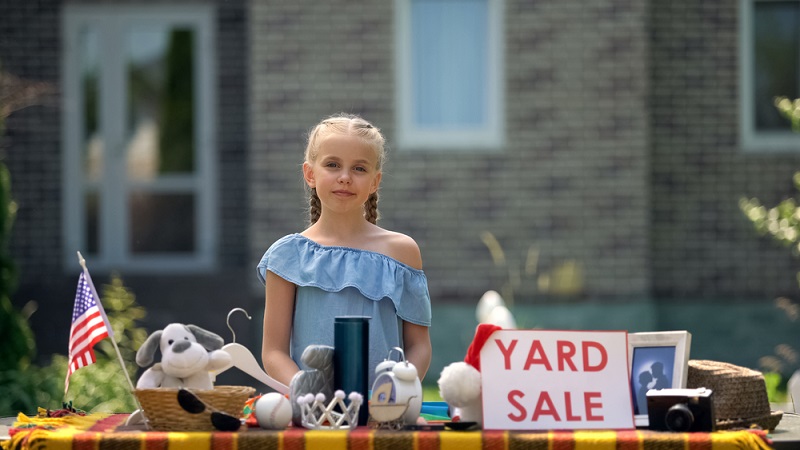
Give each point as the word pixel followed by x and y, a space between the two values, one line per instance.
pixel 656 360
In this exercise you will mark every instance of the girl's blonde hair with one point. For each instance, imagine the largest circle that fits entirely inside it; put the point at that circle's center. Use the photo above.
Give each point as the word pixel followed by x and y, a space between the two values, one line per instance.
pixel 350 125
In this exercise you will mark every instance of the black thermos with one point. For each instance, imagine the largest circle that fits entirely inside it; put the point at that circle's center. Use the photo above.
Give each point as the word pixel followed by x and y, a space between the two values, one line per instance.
pixel 351 359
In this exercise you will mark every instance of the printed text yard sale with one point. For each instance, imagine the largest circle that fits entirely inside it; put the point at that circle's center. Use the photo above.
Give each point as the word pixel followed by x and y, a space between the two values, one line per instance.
pixel 556 380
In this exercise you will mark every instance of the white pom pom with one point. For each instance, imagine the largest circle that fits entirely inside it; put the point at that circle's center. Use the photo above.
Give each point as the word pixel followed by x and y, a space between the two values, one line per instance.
pixel 320 397
pixel 356 397
pixel 309 398
pixel 460 384
pixel 339 394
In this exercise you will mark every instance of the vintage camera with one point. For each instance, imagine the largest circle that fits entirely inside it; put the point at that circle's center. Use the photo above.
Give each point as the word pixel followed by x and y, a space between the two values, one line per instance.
pixel 681 409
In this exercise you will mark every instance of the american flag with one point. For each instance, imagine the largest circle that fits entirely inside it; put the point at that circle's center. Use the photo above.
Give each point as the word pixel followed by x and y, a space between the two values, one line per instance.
pixel 88 328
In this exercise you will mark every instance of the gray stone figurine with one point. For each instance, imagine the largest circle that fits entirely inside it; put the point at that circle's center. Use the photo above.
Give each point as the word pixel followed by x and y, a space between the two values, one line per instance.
pixel 317 379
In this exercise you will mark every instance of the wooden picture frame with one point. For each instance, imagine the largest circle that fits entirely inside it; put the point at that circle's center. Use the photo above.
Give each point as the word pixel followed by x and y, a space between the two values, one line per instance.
pixel 656 360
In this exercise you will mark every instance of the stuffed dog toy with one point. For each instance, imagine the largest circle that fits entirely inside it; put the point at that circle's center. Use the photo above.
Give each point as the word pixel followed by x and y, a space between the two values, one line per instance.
pixel 188 354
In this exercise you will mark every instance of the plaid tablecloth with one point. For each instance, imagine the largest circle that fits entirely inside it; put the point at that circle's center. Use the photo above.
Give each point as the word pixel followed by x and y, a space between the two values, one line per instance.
pixel 100 432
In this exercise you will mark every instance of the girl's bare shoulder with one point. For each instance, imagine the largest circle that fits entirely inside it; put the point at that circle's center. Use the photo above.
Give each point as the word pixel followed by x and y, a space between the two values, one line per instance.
pixel 400 247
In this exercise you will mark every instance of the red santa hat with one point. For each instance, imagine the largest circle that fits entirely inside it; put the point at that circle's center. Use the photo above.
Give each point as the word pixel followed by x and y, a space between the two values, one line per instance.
pixel 482 334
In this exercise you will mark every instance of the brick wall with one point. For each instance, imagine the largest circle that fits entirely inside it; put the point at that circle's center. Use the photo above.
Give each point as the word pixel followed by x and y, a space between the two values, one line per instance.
pixel 621 146
pixel 703 247
pixel 30 49
pixel 233 126
pixel 571 180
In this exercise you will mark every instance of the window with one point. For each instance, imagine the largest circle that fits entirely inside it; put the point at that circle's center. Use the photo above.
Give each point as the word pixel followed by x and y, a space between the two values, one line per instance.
pixel 449 73
pixel 770 67
pixel 139 137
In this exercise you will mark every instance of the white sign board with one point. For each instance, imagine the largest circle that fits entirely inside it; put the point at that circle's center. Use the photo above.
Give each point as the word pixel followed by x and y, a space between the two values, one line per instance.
pixel 556 380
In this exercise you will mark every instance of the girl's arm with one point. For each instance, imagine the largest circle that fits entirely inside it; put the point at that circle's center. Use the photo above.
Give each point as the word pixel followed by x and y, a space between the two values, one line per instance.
pixel 278 328
pixel 417 347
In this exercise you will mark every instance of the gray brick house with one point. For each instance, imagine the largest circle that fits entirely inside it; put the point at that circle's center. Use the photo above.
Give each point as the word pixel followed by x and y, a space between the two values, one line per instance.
pixel 613 136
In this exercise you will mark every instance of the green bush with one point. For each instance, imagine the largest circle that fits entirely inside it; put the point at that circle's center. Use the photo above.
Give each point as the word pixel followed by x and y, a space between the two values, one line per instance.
pixel 781 223
pixel 776 387
pixel 25 386
pixel 100 387
pixel 18 343
pixel 790 110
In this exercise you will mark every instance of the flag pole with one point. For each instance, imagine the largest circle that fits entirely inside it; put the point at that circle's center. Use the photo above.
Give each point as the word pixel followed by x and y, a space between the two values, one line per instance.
pixel 108 325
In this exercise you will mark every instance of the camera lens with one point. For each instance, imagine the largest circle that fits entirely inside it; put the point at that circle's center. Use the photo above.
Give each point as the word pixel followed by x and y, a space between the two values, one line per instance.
pixel 679 418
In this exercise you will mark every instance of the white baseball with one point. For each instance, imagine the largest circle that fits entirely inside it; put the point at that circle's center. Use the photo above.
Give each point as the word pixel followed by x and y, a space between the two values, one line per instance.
pixel 273 411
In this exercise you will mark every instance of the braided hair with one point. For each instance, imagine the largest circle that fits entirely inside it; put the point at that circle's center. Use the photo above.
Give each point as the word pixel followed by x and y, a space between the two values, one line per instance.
pixel 352 125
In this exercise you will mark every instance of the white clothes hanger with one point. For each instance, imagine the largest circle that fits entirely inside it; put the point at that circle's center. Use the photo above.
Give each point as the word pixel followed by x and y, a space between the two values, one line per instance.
pixel 244 360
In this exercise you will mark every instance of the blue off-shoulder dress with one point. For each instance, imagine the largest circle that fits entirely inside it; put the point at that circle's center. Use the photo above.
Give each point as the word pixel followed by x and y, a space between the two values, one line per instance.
pixel 341 281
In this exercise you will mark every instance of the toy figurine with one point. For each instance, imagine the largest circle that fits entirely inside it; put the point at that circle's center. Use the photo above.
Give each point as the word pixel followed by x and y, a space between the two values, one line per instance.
pixel 317 379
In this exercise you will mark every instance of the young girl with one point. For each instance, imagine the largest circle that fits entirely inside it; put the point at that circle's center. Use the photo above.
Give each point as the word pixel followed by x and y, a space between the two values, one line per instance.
pixel 343 264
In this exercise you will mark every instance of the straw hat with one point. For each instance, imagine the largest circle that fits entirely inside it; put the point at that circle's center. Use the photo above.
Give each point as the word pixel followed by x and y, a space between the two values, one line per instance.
pixel 740 394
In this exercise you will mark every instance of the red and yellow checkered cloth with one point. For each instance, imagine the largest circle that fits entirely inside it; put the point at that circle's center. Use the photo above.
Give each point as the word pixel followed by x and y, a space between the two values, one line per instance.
pixel 96 432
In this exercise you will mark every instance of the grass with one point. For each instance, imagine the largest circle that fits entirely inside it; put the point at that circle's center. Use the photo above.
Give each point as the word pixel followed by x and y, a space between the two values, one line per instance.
pixel 430 393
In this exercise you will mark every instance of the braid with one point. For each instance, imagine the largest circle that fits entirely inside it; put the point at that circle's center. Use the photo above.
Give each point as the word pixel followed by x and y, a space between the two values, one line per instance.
pixel 314 207
pixel 371 208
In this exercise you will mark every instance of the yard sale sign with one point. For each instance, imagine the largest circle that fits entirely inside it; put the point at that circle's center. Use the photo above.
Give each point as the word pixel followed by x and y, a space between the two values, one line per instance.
pixel 556 380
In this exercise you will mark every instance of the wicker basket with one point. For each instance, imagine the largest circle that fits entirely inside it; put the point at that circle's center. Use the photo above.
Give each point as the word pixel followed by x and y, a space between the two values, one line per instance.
pixel 163 412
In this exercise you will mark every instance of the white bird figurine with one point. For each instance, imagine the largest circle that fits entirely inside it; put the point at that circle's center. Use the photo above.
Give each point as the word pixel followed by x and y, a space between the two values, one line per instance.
pixel 492 309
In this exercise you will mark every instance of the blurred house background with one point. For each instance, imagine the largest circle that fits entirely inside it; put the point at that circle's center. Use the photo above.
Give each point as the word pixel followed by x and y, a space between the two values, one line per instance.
pixel 587 156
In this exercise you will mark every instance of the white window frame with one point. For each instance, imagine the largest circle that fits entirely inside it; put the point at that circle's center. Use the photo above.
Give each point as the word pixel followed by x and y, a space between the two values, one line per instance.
pixel 752 140
pixel 492 135
pixel 114 227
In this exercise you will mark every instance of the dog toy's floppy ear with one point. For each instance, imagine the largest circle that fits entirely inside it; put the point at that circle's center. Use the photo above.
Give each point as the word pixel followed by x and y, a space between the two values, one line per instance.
pixel 145 354
pixel 211 341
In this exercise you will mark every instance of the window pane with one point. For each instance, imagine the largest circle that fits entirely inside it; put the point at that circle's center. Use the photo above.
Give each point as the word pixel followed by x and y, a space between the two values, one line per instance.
pixel 449 59
pixel 160 128
pixel 161 222
pixel 92 218
pixel 91 139
pixel 777 49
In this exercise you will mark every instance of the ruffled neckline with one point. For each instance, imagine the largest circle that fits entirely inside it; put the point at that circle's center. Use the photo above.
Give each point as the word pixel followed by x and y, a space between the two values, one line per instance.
pixel 343 248
pixel 307 263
